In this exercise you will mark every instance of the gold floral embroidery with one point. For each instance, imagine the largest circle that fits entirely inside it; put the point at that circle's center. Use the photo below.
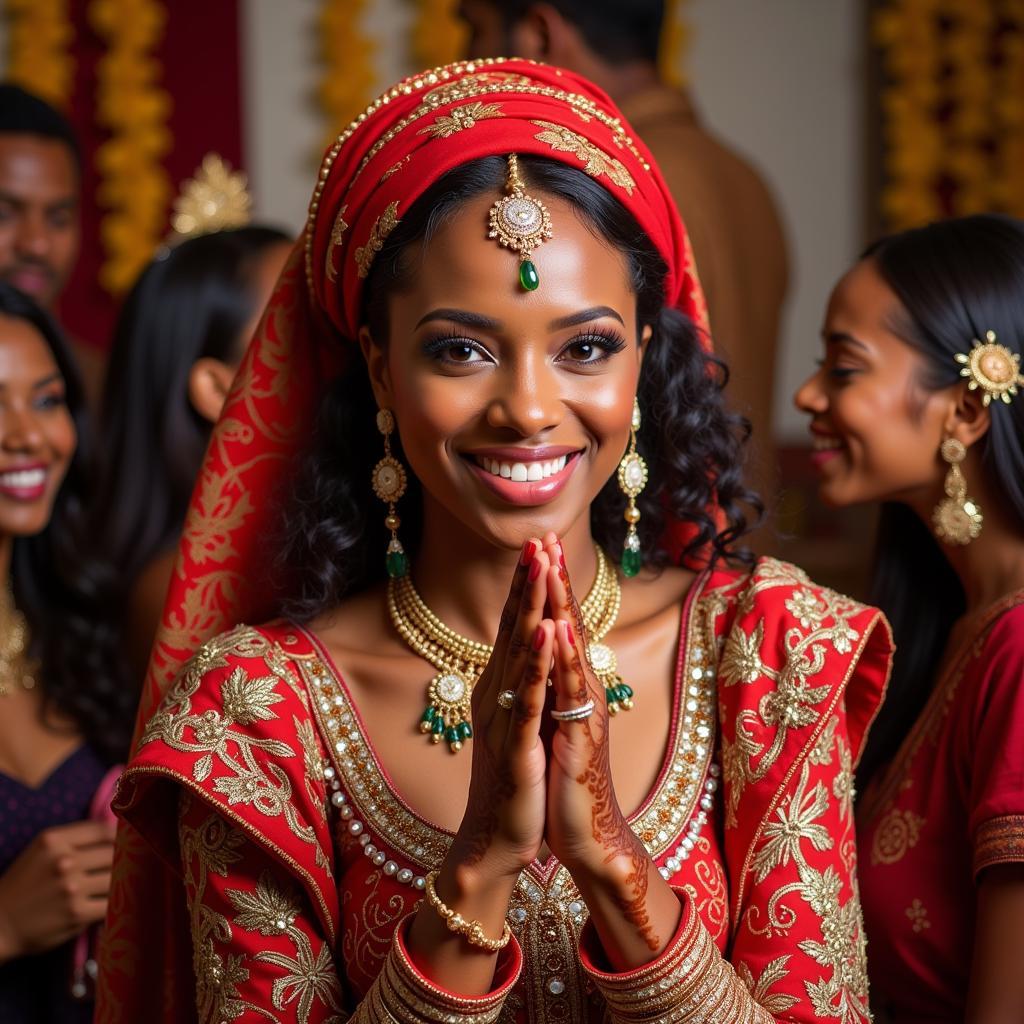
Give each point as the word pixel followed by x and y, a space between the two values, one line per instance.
pixel 212 848
pixel 220 738
pixel 337 237
pixel 461 118
pixel 897 832
pixel 395 167
pixel 792 702
pixel 796 821
pixel 382 227
pixel 777 1002
pixel 596 161
pixel 917 913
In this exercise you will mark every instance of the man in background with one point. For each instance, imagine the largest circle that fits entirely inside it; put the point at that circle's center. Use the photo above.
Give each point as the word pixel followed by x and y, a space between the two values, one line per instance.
pixel 40 193
pixel 730 215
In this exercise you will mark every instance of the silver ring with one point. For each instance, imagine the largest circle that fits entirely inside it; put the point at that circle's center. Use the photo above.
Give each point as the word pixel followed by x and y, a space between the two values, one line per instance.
pixel 574 714
pixel 506 699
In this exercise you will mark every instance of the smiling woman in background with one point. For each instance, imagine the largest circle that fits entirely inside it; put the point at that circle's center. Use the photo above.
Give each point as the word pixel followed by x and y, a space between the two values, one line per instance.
pixel 64 717
pixel 919 404
pixel 180 336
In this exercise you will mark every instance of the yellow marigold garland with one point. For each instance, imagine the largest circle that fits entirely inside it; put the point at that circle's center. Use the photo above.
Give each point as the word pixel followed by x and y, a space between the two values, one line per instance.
pixel 38 52
pixel 1008 185
pixel 952 107
pixel 675 41
pixel 135 189
pixel 438 36
pixel 907 33
pixel 346 52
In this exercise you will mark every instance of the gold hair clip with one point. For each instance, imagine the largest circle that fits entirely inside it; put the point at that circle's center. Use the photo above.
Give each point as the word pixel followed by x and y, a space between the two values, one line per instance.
pixel 991 367
pixel 216 199
pixel 520 222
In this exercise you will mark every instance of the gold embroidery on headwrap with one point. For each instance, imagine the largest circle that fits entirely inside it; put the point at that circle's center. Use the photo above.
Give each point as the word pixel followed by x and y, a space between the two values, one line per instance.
pixel 447 125
pixel 596 161
pixel 470 85
pixel 382 227
pixel 395 168
pixel 337 234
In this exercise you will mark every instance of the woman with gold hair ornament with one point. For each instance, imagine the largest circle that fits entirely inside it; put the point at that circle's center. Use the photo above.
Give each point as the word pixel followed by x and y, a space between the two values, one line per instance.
pixel 518 471
pixel 918 405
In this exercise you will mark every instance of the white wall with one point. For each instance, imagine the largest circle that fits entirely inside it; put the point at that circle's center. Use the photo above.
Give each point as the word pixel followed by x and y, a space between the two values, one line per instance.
pixel 781 81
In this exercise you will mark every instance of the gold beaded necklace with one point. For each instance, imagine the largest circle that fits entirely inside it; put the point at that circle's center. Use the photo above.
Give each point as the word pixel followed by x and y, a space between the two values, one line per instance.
pixel 460 661
pixel 15 667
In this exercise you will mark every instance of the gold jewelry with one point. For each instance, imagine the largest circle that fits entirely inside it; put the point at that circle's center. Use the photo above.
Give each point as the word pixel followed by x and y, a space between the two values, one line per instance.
pixel 506 699
pixel 389 482
pixel 471 931
pixel 957 518
pixel 632 480
pixel 15 667
pixel 216 199
pixel 460 661
pixel 993 368
pixel 520 222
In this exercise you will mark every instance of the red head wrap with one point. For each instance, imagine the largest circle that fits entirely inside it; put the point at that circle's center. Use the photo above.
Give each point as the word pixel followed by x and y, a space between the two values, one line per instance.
pixel 404 141
pixel 407 139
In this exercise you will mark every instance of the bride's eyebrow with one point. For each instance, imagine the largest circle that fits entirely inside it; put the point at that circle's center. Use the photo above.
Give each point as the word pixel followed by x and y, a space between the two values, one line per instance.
pixel 461 316
pixel 584 316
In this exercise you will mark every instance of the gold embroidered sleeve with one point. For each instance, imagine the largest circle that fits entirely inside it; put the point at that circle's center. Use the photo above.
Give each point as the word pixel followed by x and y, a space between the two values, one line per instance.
pixel 690 983
pixel 258 951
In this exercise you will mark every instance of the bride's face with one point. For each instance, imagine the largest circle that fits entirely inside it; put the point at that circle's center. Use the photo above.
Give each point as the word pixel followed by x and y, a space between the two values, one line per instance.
pixel 513 407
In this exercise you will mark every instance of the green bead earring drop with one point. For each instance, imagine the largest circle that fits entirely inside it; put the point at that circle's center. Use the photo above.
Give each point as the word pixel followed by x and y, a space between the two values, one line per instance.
pixel 632 480
pixel 520 222
pixel 389 483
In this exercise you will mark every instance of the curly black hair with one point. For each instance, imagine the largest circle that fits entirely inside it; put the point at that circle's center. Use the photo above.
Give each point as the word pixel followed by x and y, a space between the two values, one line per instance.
pixel 334 535
pixel 54 589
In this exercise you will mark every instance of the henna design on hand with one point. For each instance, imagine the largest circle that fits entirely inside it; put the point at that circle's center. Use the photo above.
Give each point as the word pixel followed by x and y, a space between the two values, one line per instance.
pixel 497 787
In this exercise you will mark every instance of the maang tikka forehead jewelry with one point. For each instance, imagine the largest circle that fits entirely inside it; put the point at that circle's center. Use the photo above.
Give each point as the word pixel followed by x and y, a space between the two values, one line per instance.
pixel 520 222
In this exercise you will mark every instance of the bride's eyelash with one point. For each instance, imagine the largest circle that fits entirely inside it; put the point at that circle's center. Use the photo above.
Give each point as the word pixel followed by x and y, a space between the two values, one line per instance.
pixel 439 344
pixel 605 338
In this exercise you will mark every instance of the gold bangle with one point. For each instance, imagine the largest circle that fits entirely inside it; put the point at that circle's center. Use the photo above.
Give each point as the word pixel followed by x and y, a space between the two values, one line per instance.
pixel 471 931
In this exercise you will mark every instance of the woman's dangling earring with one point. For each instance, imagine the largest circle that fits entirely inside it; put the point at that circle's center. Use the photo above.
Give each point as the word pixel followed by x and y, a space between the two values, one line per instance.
pixel 389 482
pixel 632 480
pixel 957 518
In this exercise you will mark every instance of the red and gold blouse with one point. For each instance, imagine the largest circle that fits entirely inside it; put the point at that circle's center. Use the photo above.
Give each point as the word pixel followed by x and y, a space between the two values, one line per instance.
pixel 949 806
pixel 258 781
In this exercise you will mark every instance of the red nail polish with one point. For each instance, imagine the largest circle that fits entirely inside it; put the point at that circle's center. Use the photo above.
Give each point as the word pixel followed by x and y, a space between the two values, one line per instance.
pixel 534 570
pixel 570 635
pixel 561 555
pixel 538 638
pixel 529 550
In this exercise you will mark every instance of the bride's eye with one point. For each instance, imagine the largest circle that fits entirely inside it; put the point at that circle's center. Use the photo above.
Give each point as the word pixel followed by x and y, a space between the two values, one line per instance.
pixel 593 347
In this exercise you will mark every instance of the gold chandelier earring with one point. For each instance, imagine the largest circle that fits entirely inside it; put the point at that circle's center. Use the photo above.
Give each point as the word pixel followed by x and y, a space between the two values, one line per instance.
pixel 957 518
pixel 632 480
pixel 389 483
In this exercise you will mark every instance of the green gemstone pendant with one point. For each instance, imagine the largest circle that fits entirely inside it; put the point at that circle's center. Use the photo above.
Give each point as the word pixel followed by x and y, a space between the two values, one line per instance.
pixel 395 561
pixel 528 276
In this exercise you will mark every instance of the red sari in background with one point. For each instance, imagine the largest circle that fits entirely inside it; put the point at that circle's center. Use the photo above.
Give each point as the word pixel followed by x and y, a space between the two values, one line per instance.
pixel 949 806
pixel 300 860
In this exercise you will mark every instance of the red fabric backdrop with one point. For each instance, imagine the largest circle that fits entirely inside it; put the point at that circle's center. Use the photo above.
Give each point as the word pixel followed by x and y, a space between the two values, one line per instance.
pixel 201 58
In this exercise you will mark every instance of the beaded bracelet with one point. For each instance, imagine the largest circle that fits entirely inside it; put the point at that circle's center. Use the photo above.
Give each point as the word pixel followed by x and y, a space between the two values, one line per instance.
pixel 471 931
